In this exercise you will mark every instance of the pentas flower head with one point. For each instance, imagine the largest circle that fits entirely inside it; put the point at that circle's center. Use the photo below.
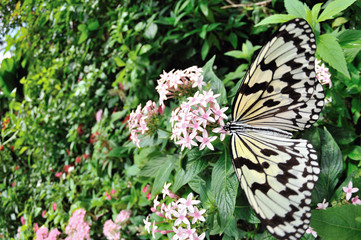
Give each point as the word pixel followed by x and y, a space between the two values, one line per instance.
pixel 143 121
pixel 78 228
pixel 180 216
pixel 179 83
pixel 112 229
pixel 322 205
pixel 322 73
pixel 193 119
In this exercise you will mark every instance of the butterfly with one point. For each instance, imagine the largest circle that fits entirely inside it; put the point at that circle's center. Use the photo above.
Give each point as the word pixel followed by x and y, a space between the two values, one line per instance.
pixel 279 94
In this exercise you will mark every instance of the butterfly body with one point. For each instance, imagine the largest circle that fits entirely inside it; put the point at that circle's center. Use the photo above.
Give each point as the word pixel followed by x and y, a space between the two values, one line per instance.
pixel 279 94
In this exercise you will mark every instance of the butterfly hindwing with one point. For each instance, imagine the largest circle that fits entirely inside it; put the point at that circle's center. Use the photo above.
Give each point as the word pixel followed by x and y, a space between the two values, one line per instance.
pixel 280 88
pixel 278 175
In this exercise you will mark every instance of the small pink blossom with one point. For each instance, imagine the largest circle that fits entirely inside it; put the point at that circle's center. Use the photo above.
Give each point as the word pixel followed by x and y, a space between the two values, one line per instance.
pixel 189 202
pixel 99 115
pixel 206 141
pixel 197 215
pixel 43 213
pixel 349 190
pixel 165 190
pixel 322 73
pixel 58 174
pixel 53 234
pixel 36 227
pixel 311 231
pixel 181 216
pixel 54 206
pixel 356 201
pixel 22 220
pixel 322 205
pixel 154 229
pixel 200 237
pixel 147 224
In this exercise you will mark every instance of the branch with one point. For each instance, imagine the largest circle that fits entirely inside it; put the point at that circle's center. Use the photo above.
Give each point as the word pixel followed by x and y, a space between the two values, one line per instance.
pixel 234 5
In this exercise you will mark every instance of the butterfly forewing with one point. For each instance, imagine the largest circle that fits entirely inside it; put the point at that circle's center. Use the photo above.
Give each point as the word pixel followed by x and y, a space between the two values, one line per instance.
pixel 280 88
pixel 279 93
pixel 278 175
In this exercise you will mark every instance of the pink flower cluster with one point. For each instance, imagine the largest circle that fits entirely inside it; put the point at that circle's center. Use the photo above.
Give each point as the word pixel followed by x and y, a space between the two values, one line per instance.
pixel 179 83
pixel 111 229
pixel 44 234
pixel 141 121
pixel 78 228
pixel 322 73
pixel 181 213
pixel 192 118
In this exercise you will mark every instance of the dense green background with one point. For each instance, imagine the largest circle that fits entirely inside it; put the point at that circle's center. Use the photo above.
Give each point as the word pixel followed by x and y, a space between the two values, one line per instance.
pixel 72 58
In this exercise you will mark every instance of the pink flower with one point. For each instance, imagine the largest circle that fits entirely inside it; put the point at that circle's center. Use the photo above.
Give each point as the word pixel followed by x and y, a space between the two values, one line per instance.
pixel 41 233
pixel 200 237
pixel 349 190
pixel 189 202
pixel 322 73
pixel 77 227
pixel 356 201
pixel 113 191
pixel 22 220
pixel 206 141
pixel 99 115
pixel 123 216
pixel 181 216
pixel 111 230
pixel 36 227
pixel 43 213
pixel 53 234
pixel 165 190
pixel 54 206
pixel 322 205
pixel 77 159
pixel 178 83
pixel 58 174
pixel 194 116
pixel 149 196
pixel 147 224
pixel 143 121
pixel 311 231
pixel 197 215
pixel 154 229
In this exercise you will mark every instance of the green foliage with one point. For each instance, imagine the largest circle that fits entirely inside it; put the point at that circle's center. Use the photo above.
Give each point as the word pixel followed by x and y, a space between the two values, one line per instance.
pixel 341 222
pixel 71 59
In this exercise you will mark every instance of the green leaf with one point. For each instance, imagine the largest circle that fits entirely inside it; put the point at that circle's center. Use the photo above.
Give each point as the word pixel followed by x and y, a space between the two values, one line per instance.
pixel 296 8
pixel 355 154
pixel 83 37
pixel 192 169
pixel 151 168
pixel 216 84
pixel 163 174
pixel 331 167
pixel 334 8
pixel 205 49
pixel 224 186
pixel 277 18
pixel 331 52
pixel 340 222
pixel 233 39
pixel 315 11
pixel 93 25
pixel 151 31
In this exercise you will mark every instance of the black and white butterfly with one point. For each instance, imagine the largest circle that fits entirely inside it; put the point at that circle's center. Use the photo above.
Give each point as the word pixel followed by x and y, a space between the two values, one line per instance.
pixel 279 93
